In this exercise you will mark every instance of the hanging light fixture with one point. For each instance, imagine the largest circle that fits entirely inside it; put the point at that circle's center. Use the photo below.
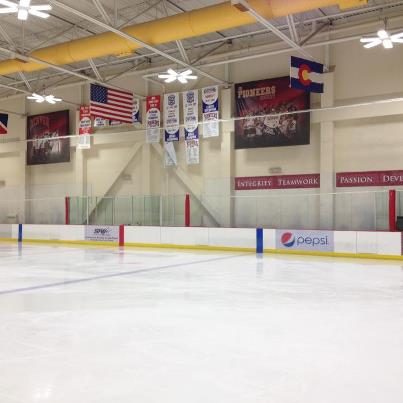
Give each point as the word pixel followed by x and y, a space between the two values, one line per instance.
pixel 23 8
pixel 50 99
pixel 171 75
pixel 384 38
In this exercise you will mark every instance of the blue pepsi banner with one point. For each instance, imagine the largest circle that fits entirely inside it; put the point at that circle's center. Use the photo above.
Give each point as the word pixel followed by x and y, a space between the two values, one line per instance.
pixel 171 117
pixel 211 126
pixel 191 114
pixel 319 241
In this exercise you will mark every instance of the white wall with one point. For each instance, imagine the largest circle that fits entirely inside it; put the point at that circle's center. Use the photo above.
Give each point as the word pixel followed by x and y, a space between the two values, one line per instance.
pixel 370 143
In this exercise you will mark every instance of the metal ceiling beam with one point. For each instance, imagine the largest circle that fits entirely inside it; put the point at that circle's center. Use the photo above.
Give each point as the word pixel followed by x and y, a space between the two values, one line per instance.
pixel 102 11
pixel 95 70
pixel 135 40
pixel 140 14
pixel 262 20
pixel 292 28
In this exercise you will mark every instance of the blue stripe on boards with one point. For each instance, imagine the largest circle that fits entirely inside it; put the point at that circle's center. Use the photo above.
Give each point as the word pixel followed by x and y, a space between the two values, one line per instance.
pixel 259 240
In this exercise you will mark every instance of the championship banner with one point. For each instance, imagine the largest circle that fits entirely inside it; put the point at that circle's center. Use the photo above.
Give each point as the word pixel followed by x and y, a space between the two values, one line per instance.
pixel 266 112
pixel 171 117
pixel 170 154
pixel 153 119
pixel 85 120
pixel 136 110
pixel 211 125
pixel 192 151
pixel 191 114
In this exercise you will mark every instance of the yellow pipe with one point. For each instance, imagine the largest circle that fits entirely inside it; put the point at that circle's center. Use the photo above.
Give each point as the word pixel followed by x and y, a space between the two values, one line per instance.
pixel 180 26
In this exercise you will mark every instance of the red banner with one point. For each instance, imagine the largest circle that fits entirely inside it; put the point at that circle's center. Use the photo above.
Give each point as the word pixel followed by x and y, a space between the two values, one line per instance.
pixel 370 178
pixel 153 101
pixel 307 181
pixel 85 120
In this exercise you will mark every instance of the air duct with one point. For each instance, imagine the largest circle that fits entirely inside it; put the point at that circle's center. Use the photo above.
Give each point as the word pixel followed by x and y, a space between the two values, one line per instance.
pixel 177 27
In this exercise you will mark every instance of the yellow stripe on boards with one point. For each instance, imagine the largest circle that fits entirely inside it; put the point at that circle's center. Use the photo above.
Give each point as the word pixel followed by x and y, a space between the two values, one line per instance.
pixel 209 248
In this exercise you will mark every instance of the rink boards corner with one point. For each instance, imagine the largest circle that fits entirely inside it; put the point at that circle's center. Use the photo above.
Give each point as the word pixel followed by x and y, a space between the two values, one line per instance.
pixel 366 244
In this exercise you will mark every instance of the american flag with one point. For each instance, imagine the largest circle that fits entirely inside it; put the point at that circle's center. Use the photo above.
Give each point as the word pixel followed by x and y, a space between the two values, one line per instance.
pixel 112 104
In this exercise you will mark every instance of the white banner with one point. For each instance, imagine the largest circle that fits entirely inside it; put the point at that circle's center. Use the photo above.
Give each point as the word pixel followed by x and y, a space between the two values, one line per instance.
pixel 104 233
pixel 136 110
pixel 211 125
pixel 84 142
pixel 191 114
pixel 153 119
pixel 192 152
pixel 171 117
pixel 170 155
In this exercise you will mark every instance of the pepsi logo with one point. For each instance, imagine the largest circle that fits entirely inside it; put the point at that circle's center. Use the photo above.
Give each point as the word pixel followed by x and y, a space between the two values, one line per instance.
pixel 288 239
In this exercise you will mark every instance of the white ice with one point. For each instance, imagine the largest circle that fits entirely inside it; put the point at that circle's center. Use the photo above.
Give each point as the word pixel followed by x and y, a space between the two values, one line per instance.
pixel 150 326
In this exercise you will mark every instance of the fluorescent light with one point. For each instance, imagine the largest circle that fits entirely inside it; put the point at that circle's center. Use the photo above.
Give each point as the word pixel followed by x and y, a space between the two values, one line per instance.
pixel 23 8
pixel 22 14
pixel 383 34
pixel 383 38
pixel 171 75
pixel 50 99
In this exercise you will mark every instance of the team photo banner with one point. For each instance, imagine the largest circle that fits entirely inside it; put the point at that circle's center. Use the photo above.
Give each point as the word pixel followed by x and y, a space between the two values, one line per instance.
pixel 153 118
pixel 211 125
pixel 264 110
pixel 191 114
pixel 171 117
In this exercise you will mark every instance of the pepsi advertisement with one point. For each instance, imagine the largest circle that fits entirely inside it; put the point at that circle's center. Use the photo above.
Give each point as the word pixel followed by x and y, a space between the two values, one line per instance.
pixel 319 241
pixel 266 114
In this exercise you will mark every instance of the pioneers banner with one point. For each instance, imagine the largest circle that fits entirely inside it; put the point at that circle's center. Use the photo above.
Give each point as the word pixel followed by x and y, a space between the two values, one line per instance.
pixel 191 114
pixel 304 181
pixel 171 117
pixel 266 114
pixel 211 125
pixel 44 143
pixel 153 119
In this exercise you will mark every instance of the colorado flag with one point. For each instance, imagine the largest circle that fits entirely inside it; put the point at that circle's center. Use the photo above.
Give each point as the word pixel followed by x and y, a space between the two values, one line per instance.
pixel 306 75
pixel 3 123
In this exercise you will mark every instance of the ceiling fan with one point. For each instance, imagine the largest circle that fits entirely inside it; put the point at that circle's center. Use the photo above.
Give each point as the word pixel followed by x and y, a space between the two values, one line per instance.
pixel 383 38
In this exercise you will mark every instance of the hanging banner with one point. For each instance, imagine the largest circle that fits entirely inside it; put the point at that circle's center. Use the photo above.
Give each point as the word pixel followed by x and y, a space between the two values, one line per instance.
pixel 170 154
pixel 85 121
pixel 211 126
pixel 101 122
pixel 267 114
pixel 84 129
pixel 171 117
pixel 136 110
pixel 191 114
pixel 192 152
pixel 153 118
pixel 301 181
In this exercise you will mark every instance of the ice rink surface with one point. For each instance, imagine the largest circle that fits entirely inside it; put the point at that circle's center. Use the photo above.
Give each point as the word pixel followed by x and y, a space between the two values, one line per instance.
pixel 99 325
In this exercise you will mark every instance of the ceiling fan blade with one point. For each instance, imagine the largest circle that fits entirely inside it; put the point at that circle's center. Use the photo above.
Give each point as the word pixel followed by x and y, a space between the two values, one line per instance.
pixel 8 10
pixel 7 3
pixel 37 13
pixel 373 44
pixel 172 72
pixel 170 79
pixel 43 7
pixel 365 40
pixel 398 38
pixel 186 72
